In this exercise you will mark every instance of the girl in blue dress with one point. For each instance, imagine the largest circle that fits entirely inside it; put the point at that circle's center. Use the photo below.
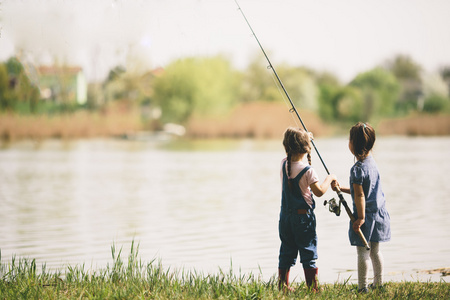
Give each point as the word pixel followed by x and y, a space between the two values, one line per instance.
pixel 369 205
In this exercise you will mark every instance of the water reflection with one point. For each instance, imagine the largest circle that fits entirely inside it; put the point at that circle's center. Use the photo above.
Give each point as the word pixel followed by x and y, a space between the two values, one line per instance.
pixel 206 205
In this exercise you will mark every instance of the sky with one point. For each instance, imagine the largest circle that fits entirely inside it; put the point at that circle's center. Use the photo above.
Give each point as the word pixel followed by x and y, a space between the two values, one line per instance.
pixel 344 37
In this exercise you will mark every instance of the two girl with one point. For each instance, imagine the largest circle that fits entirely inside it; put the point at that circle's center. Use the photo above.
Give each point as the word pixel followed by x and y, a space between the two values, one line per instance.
pixel 297 225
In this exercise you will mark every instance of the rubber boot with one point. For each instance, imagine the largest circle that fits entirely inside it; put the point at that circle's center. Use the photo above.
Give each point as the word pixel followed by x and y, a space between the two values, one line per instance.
pixel 283 280
pixel 311 278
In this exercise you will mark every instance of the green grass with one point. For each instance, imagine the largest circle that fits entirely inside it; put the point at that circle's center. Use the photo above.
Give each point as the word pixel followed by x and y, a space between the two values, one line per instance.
pixel 20 279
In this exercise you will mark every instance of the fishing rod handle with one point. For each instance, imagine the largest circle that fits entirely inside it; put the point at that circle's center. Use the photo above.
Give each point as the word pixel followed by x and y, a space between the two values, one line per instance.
pixel 352 218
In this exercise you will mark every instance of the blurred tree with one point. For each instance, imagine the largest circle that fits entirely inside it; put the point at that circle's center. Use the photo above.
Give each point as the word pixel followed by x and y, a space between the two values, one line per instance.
pixel 379 89
pixel 203 86
pixel 434 84
pixel 26 95
pixel 130 87
pixel 337 102
pixel 404 67
pixel 5 97
pixel 445 74
pixel 9 75
pixel 435 94
pixel 115 73
pixel 436 103
pixel 17 91
pixel 114 86
pixel 408 74
pixel 329 88
pixel 14 66
pixel 257 83
pixel 260 84
pixel 301 86
pixel 349 105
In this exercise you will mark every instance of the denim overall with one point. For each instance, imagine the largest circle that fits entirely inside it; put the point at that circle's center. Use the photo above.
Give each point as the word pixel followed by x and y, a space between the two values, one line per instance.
pixel 297 230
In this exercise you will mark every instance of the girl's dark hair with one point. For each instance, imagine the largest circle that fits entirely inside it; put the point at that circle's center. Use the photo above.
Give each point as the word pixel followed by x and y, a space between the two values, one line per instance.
pixel 362 139
pixel 295 141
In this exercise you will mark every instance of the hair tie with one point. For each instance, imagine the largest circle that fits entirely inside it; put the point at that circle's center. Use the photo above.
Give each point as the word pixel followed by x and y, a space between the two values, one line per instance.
pixel 364 125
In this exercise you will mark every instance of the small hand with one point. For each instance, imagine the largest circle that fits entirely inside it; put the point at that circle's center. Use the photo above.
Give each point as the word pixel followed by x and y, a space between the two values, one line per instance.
pixel 357 224
pixel 311 136
pixel 335 185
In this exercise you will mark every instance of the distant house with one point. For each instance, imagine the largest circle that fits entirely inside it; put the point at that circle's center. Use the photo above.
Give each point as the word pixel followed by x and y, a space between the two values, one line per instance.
pixel 62 84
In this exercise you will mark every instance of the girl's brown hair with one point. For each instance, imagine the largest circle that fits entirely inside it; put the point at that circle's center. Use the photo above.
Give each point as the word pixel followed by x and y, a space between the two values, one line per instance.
pixel 295 141
pixel 362 139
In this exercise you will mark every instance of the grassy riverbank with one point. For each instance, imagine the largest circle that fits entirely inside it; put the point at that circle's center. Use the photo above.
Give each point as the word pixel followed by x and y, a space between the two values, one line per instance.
pixel 21 279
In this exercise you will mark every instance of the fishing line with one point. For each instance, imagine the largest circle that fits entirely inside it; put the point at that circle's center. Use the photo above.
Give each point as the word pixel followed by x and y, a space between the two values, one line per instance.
pixel 284 99
pixel 270 66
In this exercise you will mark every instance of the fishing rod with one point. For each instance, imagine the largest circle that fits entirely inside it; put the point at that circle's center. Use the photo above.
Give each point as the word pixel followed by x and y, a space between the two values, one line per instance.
pixel 333 206
pixel 293 109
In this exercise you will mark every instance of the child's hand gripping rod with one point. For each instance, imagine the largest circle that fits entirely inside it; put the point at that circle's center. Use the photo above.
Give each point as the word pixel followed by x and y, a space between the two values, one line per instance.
pixel 352 217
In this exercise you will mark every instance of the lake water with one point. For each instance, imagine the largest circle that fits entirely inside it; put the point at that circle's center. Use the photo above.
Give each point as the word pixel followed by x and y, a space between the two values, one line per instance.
pixel 210 205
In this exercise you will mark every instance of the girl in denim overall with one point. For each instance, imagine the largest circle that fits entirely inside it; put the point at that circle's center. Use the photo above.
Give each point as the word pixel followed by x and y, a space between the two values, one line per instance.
pixel 297 225
pixel 369 205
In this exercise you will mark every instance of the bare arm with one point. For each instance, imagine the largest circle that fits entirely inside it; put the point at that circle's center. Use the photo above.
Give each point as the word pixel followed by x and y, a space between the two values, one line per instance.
pixel 335 186
pixel 319 190
pixel 360 202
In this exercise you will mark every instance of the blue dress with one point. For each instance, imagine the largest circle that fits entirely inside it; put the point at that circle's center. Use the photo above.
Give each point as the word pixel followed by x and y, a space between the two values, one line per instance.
pixel 376 227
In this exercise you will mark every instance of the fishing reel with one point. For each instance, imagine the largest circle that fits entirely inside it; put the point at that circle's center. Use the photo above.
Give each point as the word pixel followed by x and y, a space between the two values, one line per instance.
pixel 333 206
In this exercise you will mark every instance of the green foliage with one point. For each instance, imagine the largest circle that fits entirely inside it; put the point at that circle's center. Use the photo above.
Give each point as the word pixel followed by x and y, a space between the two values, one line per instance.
pixel 115 73
pixel 14 66
pixel 211 87
pixel 445 75
pixel 301 86
pixel 408 74
pixel 5 92
pixel 203 86
pixel 17 93
pixel 260 84
pixel 338 102
pixel 436 103
pixel 404 68
pixel 434 85
pixel 350 105
pixel 257 82
pixel 329 87
pixel 380 90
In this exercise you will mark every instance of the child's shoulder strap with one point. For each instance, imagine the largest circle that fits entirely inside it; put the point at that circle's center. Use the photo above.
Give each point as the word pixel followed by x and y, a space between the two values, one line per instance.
pixel 284 168
pixel 305 169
